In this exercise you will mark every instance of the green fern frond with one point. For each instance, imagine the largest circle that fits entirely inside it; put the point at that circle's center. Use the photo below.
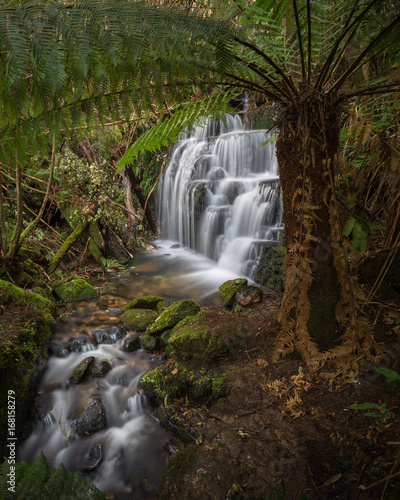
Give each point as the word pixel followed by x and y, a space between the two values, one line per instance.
pixel 40 480
pixel 169 129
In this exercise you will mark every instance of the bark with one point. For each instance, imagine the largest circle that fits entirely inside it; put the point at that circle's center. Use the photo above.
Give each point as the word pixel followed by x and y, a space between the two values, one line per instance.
pixel 306 149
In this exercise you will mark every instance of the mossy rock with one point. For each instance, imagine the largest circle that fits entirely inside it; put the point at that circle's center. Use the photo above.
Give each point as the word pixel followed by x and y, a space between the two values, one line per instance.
pixel 75 289
pixel 172 316
pixel 79 372
pixel 193 339
pixel 229 289
pixel 147 302
pixel 139 319
pixel 173 380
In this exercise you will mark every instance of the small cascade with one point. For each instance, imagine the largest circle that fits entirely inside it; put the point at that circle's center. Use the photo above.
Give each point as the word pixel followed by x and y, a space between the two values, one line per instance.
pixel 220 194
pixel 97 422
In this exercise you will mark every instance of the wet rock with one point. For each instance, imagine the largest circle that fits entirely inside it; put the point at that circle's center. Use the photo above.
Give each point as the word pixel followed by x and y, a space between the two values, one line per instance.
pixel 248 295
pixel 79 372
pixel 59 350
pixel 75 289
pixel 80 344
pixel 99 368
pixel 172 447
pixel 88 417
pixel 172 316
pixel 132 342
pixel 229 289
pixel 92 459
pixel 108 335
pixel 176 245
pixel 139 319
pixel 146 302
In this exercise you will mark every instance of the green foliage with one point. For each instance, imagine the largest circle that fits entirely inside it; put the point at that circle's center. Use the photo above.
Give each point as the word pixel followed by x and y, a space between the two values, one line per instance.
pixel 391 375
pixel 359 234
pixel 382 413
pixel 40 480
pixel 183 119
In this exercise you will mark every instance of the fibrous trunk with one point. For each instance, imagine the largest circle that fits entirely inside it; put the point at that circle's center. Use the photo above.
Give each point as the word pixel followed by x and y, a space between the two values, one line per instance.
pixel 320 303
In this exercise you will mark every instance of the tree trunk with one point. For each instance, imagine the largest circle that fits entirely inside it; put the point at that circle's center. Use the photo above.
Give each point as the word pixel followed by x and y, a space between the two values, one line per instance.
pixel 306 149
pixel 135 186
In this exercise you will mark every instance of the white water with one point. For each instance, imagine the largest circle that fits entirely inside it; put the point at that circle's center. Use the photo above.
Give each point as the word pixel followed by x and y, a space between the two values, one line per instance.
pixel 220 195
pixel 133 458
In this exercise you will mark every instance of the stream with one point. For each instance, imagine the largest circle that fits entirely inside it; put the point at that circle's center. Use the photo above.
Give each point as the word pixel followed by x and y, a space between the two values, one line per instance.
pixel 219 209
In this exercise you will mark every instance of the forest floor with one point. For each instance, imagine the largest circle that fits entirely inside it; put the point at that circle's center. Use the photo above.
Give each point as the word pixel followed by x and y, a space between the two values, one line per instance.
pixel 285 433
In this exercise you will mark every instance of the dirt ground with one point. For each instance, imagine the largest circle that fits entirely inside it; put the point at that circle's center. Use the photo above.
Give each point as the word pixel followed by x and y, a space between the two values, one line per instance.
pixel 285 433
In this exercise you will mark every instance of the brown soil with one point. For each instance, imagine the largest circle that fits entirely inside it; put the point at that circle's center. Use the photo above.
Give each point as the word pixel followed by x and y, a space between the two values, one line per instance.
pixel 284 433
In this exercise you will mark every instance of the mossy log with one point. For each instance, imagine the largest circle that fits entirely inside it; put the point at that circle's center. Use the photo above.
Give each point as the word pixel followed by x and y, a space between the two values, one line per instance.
pixel 66 246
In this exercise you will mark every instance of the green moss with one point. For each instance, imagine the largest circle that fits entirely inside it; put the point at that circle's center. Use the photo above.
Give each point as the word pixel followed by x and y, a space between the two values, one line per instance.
pixel 42 306
pixel 172 316
pixel 78 373
pixel 139 319
pixel 165 381
pixel 178 465
pixel 173 380
pixel 269 271
pixel 75 289
pixel 194 340
pixel 229 289
pixel 149 342
pixel 147 302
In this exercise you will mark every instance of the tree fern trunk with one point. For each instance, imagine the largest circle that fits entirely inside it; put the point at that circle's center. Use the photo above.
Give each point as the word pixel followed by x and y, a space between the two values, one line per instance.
pixel 306 150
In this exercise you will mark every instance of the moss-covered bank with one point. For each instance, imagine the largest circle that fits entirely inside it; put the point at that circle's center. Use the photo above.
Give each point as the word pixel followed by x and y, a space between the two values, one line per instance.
pixel 26 326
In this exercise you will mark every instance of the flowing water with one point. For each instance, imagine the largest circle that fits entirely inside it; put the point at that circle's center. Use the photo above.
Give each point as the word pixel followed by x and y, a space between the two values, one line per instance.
pixel 219 209
pixel 220 195
pixel 127 457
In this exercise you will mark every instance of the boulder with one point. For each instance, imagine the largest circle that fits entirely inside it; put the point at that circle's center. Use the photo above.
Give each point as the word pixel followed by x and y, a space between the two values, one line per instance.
pixel 79 372
pixel 229 289
pixel 248 295
pixel 89 416
pixel 139 319
pixel 195 340
pixel 75 289
pixel 172 316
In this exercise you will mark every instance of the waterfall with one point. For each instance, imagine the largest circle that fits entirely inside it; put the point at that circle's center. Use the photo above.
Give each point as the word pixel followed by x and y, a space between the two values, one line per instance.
pixel 220 194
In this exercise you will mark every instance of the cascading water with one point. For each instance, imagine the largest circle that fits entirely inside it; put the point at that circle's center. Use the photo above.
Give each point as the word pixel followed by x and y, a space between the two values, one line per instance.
pixel 97 423
pixel 220 194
